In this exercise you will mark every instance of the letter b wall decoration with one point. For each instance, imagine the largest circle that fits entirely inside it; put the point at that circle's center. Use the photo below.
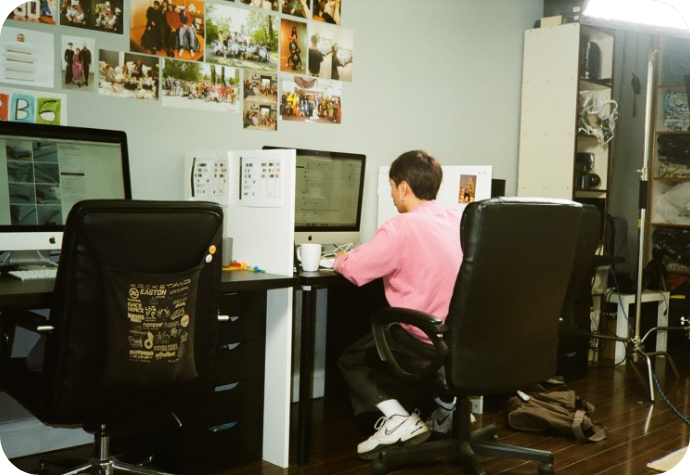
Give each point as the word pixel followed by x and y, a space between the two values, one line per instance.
pixel 22 107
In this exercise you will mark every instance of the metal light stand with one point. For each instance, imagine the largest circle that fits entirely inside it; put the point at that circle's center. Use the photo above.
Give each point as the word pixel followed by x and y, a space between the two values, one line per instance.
pixel 637 342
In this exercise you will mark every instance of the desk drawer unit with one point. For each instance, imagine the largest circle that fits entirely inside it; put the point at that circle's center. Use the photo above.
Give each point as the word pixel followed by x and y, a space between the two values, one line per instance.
pixel 241 342
pixel 226 427
pixel 226 430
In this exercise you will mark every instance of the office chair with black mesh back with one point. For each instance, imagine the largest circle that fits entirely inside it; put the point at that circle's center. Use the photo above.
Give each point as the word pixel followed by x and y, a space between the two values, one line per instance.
pixel 132 327
pixel 501 333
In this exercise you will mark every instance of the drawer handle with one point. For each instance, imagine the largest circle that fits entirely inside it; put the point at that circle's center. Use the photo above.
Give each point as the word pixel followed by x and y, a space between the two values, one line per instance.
pixel 229 346
pixel 225 387
pixel 228 318
pixel 222 427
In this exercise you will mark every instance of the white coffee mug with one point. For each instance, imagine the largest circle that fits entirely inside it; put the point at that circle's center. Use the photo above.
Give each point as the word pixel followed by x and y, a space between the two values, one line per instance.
pixel 309 255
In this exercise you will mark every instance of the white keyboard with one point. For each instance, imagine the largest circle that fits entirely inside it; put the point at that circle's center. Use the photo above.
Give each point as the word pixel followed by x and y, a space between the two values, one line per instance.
pixel 34 274
pixel 326 262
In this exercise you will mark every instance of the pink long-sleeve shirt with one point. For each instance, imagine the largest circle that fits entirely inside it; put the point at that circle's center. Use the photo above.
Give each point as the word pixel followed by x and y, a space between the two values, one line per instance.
pixel 418 255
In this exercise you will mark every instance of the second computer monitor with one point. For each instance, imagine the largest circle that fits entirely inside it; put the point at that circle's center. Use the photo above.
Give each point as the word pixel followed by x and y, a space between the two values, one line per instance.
pixel 45 169
pixel 328 196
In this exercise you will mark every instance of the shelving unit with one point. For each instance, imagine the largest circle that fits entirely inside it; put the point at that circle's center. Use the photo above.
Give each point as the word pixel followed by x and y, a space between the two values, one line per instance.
pixel 669 217
pixel 560 62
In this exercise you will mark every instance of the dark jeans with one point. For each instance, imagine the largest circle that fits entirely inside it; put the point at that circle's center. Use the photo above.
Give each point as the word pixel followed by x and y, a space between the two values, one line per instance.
pixel 369 379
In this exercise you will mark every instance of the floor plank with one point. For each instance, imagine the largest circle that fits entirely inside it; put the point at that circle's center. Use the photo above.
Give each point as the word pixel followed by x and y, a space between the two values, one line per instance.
pixel 639 432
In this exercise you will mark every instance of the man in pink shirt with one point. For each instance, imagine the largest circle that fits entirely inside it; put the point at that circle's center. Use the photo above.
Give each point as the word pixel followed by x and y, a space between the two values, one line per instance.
pixel 418 255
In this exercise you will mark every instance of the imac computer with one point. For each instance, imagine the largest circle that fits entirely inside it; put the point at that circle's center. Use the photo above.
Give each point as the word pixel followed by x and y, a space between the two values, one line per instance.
pixel 44 171
pixel 328 196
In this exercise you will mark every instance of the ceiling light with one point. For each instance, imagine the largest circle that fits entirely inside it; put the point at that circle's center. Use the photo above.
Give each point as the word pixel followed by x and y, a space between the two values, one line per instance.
pixel 653 16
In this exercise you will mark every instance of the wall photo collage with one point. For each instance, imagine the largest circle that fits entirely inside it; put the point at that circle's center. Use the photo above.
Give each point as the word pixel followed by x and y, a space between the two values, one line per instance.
pixel 265 61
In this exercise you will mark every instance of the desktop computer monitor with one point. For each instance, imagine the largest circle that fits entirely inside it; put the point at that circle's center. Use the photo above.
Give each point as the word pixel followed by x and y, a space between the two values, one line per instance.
pixel 328 196
pixel 44 170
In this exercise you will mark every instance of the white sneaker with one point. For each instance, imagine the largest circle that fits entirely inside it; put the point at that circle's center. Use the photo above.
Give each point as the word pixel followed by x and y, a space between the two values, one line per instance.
pixel 441 420
pixel 394 431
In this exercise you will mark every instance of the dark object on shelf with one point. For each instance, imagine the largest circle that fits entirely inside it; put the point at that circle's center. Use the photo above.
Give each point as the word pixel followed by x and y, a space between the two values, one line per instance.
pixel 498 187
pixel 584 161
pixel 674 148
pixel 636 87
pixel 570 9
pixel 590 58
pixel 654 273
pixel 672 245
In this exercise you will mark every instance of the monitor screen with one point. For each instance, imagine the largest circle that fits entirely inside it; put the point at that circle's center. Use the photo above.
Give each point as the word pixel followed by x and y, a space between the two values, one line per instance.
pixel 45 170
pixel 328 196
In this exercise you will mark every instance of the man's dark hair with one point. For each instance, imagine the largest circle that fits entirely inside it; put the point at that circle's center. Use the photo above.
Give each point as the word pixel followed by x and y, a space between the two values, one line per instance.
pixel 420 170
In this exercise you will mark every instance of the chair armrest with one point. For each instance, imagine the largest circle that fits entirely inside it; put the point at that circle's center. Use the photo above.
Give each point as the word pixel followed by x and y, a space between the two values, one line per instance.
pixel 25 319
pixel 384 318
pixel 9 321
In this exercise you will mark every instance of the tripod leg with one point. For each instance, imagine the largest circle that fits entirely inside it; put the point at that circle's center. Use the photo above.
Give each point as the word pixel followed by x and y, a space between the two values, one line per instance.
pixel 668 358
pixel 649 373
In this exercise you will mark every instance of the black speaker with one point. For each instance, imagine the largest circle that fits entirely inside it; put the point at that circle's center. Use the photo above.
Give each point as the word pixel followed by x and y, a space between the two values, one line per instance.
pixel 498 188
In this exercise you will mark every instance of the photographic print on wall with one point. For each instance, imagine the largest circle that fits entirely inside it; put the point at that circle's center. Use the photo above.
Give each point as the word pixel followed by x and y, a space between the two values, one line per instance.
pixel 468 185
pixel 273 5
pixel 201 86
pixel 309 99
pixel 260 104
pixel 239 48
pixel 298 8
pixel 326 10
pixel 293 46
pixel 98 15
pixel 337 47
pixel 36 11
pixel 128 75
pixel 241 38
pixel 169 28
pixel 78 75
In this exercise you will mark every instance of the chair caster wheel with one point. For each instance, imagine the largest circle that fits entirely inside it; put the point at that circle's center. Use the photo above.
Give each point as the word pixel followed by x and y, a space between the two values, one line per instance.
pixel 378 467
pixel 545 469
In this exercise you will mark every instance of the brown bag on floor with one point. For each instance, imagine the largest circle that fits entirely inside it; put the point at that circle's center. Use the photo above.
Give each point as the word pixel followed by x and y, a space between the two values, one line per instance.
pixel 558 410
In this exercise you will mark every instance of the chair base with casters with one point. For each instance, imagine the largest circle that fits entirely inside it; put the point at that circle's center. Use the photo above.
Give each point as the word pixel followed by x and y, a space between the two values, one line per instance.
pixel 465 446
pixel 103 463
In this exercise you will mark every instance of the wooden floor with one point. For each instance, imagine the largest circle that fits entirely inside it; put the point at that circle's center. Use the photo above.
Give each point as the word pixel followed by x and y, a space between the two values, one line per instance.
pixel 638 432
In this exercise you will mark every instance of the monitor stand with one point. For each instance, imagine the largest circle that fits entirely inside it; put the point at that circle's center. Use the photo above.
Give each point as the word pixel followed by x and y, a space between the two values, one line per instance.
pixel 23 259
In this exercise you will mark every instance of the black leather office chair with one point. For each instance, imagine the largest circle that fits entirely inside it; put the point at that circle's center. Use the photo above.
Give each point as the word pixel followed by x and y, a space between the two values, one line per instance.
pixel 501 333
pixel 132 327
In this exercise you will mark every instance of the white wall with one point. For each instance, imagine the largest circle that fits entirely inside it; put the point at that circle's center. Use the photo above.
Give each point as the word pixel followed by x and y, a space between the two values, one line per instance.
pixel 441 75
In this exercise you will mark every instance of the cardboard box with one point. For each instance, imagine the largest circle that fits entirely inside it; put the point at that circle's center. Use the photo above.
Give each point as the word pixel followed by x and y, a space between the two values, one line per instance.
pixel 552 21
